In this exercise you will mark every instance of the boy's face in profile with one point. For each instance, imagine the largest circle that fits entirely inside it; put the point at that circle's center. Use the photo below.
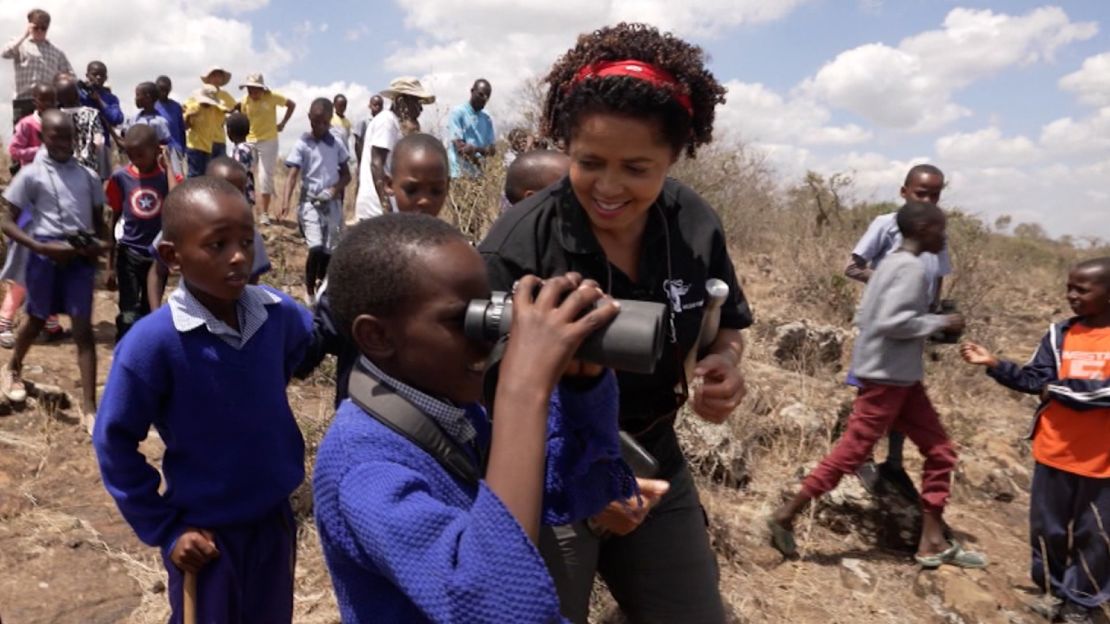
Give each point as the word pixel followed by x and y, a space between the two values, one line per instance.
pixel 925 187
pixel 419 182
pixel 931 234
pixel 143 99
pixel 432 352
pixel 1088 294
pixel 215 252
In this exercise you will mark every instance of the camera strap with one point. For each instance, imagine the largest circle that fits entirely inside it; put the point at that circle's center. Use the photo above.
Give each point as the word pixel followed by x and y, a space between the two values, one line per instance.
pixel 393 411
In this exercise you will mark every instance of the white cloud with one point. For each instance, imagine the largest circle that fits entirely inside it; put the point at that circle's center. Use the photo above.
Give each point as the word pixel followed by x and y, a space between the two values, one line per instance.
pixel 911 86
pixel 1091 83
pixel 985 146
pixel 757 113
pixel 1087 135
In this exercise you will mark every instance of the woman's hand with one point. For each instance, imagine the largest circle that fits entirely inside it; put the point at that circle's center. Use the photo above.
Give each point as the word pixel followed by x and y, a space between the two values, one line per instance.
pixel 621 517
pixel 718 388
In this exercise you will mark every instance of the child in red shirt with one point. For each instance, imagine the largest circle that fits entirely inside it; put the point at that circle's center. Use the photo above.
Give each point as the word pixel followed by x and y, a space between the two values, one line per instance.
pixel 1071 444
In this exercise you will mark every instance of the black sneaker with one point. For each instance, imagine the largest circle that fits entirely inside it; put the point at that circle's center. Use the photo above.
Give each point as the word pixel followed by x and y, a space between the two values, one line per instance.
pixel 898 480
pixel 869 477
pixel 1073 613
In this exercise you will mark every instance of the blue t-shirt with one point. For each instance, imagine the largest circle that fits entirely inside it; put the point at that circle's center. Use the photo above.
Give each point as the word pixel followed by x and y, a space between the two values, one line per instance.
pixel 137 197
pixel 59 195
pixel 157 122
pixel 319 161
pixel 472 127
pixel 171 111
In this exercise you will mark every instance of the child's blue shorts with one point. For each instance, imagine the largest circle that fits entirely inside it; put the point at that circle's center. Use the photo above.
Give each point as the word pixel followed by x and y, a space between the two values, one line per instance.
pixel 59 289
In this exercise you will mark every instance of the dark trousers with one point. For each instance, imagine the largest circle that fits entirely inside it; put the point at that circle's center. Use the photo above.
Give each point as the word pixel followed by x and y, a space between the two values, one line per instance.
pixel 197 162
pixel 131 271
pixel 1079 572
pixel 664 571
pixel 251 580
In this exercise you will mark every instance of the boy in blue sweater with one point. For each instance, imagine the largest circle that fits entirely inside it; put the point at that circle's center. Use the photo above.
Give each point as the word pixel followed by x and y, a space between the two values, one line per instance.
pixel 209 371
pixel 406 540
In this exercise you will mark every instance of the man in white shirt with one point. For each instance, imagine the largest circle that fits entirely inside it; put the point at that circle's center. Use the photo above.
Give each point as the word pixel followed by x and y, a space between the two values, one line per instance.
pixel 408 97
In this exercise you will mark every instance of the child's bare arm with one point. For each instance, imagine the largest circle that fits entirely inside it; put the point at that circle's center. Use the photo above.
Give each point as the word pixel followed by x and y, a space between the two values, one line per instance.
pixel 156 284
pixel 857 269
pixel 290 186
pixel 344 179
pixel 290 106
pixel 378 158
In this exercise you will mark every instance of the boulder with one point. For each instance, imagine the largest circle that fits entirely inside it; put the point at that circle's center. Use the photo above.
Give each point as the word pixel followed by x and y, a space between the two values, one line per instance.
pixel 957 596
pixel 809 348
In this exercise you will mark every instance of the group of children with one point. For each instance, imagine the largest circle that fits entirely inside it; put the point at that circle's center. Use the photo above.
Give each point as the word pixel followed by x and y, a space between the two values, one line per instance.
pixel 411 532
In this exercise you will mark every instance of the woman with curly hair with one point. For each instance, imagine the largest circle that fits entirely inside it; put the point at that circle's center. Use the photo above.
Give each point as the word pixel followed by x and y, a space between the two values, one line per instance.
pixel 628 101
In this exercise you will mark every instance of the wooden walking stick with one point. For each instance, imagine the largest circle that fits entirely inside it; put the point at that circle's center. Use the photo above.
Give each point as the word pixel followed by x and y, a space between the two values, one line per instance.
pixel 190 598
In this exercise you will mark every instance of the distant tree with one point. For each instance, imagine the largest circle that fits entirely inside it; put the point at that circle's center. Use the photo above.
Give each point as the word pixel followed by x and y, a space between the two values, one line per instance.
pixel 1030 231
pixel 1001 224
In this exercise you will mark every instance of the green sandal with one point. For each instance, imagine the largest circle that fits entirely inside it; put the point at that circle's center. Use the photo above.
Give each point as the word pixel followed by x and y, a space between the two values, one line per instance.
pixel 956 556
pixel 782 538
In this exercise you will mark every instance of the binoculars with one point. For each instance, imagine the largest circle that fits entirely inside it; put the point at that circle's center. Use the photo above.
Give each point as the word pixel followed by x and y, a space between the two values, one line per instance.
pixel 631 342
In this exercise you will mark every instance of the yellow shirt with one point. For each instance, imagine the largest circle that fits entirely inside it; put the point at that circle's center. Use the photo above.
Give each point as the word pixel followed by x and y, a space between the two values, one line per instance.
pixel 225 98
pixel 208 123
pixel 262 114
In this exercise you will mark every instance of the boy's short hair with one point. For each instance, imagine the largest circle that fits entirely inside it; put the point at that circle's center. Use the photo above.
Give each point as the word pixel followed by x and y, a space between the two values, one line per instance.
pixel 922 169
pixel 529 172
pixel 913 214
pixel 238 124
pixel 176 211
pixel 418 141
pixel 149 88
pixel 1102 265
pixel 223 161
pixel 374 268
pixel 322 102
pixel 138 135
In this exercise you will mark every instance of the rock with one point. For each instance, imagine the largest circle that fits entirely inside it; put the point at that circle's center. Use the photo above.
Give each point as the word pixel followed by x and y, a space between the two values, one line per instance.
pixel 802 418
pixel 711 451
pixel 958 597
pixel 855 576
pixel 51 398
pixel 987 479
pixel 158 587
pixel 809 348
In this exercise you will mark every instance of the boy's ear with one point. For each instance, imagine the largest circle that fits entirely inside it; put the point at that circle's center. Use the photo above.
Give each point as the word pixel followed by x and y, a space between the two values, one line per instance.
pixel 373 338
pixel 388 181
pixel 168 253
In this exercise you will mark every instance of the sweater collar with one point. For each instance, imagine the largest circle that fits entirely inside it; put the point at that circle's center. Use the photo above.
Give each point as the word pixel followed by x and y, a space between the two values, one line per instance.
pixel 188 313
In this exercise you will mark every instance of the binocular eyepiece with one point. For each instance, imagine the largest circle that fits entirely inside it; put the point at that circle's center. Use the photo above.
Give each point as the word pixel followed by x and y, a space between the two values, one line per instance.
pixel 632 342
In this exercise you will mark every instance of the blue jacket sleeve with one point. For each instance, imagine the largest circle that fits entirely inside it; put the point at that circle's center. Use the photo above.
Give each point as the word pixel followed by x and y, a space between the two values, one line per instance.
pixel 127 410
pixel 299 337
pixel 326 338
pixel 584 471
pixel 454 564
pixel 1031 378
pixel 110 109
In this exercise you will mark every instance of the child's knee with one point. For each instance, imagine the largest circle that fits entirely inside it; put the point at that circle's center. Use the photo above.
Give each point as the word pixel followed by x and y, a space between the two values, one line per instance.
pixel 82 331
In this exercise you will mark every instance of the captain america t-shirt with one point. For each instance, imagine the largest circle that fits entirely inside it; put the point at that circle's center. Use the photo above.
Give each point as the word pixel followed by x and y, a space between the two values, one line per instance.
pixel 137 198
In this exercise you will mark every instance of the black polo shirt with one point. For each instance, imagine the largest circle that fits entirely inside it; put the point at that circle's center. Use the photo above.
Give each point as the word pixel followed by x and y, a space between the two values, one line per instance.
pixel 549 234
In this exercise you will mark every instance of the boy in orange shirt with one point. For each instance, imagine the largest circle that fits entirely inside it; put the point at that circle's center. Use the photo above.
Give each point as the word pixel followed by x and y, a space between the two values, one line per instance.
pixel 1071 444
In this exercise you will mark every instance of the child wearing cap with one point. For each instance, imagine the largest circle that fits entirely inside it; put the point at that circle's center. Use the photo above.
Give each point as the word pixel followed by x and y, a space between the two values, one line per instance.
pixel 409 98
pixel 260 106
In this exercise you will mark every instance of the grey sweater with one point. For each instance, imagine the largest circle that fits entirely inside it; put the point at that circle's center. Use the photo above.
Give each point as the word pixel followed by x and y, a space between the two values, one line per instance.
pixel 894 320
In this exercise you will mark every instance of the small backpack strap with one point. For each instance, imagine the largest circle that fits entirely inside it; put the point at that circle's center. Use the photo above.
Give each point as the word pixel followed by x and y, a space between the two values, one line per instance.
pixel 393 411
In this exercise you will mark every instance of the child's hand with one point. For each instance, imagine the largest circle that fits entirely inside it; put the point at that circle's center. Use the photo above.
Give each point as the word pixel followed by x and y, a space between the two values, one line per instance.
pixel 57 251
pixel 549 327
pixel 978 355
pixel 954 323
pixel 623 516
pixel 195 548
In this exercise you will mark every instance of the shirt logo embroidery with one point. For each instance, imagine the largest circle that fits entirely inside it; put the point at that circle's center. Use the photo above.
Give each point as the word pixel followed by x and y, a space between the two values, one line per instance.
pixel 145 203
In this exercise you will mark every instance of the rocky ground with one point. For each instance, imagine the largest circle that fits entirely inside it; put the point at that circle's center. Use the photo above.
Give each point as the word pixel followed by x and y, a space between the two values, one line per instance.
pixel 66 555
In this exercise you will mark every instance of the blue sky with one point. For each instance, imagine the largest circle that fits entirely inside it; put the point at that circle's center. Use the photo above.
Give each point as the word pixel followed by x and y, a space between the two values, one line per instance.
pixel 860 86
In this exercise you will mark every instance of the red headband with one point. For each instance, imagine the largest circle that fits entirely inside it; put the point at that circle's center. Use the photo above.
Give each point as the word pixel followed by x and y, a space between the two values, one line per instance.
pixel 639 70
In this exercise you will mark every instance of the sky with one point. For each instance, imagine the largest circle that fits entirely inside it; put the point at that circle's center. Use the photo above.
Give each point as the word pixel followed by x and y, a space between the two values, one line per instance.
pixel 1011 99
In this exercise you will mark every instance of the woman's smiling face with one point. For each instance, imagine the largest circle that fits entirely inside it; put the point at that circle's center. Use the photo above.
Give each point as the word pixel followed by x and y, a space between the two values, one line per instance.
pixel 618 165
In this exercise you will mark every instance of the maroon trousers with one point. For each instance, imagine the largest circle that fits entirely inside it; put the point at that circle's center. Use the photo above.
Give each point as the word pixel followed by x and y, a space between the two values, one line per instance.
pixel 877 409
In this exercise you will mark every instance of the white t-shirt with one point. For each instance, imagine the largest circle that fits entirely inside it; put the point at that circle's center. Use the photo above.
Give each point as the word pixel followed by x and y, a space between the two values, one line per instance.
pixel 383 132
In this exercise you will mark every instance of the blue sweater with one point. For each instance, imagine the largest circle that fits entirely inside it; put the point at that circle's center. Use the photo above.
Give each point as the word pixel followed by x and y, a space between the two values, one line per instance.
pixel 233 449
pixel 407 542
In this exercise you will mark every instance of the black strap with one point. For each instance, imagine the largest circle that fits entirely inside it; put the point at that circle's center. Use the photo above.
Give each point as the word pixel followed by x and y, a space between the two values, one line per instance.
pixel 393 411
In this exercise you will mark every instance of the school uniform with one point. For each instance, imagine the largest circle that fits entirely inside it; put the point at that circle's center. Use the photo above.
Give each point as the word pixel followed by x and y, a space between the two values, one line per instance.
pixel 327 339
pixel 136 198
pixel 665 568
pixel 319 161
pixel 233 454
pixel 1070 495
pixel 60 197
pixel 407 541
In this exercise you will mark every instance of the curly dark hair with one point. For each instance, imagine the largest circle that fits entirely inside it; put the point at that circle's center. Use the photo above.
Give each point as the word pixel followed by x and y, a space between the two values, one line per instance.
pixel 374 268
pixel 567 103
